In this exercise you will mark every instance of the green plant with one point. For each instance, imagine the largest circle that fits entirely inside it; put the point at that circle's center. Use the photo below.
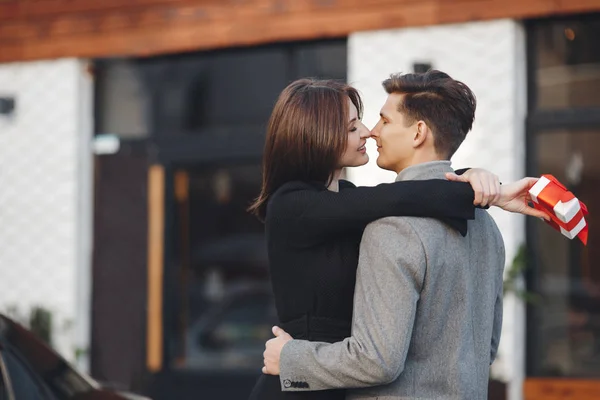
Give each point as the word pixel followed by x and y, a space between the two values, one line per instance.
pixel 40 323
pixel 513 282
pixel 80 352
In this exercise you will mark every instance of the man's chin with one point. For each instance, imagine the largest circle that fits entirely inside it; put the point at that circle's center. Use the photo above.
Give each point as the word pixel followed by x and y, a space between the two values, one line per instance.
pixel 383 165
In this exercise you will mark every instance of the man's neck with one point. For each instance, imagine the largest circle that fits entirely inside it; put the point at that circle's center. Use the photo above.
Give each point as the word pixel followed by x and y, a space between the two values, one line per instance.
pixel 426 170
pixel 421 156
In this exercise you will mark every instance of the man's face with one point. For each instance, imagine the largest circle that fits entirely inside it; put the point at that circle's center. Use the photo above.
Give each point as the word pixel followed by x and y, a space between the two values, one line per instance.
pixel 394 136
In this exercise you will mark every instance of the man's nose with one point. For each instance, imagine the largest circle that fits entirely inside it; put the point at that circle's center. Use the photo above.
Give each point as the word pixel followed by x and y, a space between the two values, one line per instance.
pixel 375 131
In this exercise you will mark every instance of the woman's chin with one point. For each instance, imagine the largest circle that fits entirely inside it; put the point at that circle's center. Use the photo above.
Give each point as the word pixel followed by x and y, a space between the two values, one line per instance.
pixel 358 162
pixel 363 161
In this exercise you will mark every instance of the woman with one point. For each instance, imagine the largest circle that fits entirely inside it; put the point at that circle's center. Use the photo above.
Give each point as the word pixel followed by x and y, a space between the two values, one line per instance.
pixel 314 220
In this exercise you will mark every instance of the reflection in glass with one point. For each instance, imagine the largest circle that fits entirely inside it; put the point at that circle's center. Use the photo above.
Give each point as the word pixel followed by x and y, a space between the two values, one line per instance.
pixel 569 277
pixel 568 62
pixel 226 306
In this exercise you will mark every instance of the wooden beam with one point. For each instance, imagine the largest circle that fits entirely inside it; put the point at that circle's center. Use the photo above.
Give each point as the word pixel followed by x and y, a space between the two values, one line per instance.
pixel 561 389
pixel 86 28
pixel 10 9
pixel 476 10
pixel 156 229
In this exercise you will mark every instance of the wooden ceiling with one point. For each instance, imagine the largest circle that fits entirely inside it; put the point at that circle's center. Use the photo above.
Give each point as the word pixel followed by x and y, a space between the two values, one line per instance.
pixel 38 29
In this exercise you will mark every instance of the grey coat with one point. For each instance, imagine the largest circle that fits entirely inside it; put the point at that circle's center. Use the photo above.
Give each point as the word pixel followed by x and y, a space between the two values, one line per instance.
pixel 427 312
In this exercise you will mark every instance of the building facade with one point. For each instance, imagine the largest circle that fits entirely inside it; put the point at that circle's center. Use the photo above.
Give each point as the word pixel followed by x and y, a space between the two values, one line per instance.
pixel 118 210
pixel 46 200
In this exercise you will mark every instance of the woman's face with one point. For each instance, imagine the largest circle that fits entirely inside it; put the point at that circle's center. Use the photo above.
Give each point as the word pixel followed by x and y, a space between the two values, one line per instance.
pixel 355 154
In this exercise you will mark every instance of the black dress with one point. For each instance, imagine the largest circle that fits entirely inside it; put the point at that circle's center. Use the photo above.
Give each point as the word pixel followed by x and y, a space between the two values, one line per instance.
pixel 313 238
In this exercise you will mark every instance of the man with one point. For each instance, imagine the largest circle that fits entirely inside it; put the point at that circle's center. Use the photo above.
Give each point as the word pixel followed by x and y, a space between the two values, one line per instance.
pixel 428 301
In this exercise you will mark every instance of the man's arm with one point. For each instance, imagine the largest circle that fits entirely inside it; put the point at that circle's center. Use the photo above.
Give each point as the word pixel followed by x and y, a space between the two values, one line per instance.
pixel 497 327
pixel 498 307
pixel 388 284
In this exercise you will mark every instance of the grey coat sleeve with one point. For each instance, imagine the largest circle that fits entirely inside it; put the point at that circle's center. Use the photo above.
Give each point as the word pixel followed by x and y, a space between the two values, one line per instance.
pixel 389 279
pixel 498 311
pixel 497 328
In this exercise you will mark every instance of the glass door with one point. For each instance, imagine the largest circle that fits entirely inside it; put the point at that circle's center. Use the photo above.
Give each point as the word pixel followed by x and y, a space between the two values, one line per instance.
pixel 568 277
pixel 224 303
pixel 563 326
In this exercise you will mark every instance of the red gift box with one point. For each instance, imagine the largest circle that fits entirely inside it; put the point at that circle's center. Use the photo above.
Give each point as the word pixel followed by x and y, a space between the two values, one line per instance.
pixel 565 210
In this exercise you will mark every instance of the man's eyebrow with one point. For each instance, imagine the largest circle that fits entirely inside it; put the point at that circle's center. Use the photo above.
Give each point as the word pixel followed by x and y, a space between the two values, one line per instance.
pixel 382 115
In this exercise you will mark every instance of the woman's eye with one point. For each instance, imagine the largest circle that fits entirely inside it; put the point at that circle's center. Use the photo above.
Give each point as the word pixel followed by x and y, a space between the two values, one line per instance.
pixel 353 129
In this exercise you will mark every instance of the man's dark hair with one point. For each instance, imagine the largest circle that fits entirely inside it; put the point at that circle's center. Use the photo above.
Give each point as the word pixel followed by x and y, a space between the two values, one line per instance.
pixel 445 104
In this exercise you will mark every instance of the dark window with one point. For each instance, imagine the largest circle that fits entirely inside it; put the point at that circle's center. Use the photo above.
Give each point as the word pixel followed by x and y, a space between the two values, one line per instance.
pixel 563 326
pixel 567 62
pixel 224 305
pixel 568 280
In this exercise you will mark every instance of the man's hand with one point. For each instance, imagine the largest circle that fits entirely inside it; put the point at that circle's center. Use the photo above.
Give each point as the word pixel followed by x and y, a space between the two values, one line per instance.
pixel 485 185
pixel 514 197
pixel 273 351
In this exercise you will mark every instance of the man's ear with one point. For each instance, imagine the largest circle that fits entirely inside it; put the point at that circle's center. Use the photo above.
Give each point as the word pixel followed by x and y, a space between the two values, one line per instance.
pixel 421 133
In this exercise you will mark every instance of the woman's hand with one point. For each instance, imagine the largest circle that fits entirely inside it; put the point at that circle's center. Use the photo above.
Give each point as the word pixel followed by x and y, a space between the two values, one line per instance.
pixel 514 197
pixel 485 185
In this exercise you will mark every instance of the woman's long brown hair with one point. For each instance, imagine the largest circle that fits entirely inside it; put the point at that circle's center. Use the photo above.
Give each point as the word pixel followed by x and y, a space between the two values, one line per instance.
pixel 306 135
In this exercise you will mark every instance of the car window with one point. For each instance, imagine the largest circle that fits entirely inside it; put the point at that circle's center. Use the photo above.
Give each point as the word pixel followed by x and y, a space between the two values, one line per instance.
pixel 25 383
pixel 3 386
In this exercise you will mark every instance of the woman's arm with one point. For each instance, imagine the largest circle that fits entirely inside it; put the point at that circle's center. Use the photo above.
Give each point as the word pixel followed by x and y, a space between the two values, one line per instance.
pixel 318 214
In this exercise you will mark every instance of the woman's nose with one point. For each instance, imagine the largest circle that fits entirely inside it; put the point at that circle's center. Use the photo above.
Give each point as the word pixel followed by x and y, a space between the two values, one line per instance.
pixel 365 133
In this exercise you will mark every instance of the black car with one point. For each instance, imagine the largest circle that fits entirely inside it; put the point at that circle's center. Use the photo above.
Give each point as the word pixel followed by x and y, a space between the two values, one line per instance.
pixel 31 370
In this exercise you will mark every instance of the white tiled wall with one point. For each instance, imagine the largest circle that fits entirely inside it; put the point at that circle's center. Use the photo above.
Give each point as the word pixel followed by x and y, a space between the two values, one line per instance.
pixel 490 58
pixel 45 195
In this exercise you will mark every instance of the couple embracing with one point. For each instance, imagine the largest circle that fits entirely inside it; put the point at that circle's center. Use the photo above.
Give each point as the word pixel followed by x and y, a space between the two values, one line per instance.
pixel 385 292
